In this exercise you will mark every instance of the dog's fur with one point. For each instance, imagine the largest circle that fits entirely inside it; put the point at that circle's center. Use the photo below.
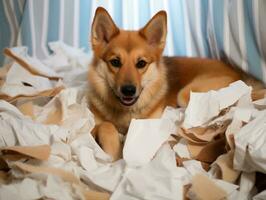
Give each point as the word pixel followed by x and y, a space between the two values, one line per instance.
pixel 164 81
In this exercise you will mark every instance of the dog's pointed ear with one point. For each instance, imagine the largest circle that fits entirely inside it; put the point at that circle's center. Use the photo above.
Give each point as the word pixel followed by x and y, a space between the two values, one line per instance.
pixel 155 30
pixel 103 28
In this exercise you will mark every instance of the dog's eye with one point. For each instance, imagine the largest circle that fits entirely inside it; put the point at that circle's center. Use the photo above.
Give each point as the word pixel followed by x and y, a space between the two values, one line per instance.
pixel 116 62
pixel 141 64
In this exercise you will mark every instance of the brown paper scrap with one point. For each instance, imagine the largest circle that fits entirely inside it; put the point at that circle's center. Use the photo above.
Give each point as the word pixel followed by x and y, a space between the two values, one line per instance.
pixel 209 152
pixel 204 188
pixel 66 176
pixel 55 116
pixel 93 195
pixel 225 163
pixel 45 93
pixel 207 133
pixel 23 63
pixel 27 109
pixel 179 161
pixel 191 137
pixel 41 152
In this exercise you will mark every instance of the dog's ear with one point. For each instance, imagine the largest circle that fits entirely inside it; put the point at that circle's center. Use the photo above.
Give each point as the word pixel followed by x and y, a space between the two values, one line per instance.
pixel 103 28
pixel 155 30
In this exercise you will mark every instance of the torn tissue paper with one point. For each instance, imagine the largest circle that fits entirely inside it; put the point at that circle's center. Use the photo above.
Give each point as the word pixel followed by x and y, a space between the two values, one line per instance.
pixel 214 101
pixel 210 150
pixel 157 180
pixel 136 152
pixel 21 82
pixel 250 145
pixel 33 65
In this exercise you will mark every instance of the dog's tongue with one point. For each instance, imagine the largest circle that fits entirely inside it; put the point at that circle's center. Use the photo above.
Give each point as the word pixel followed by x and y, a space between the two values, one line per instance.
pixel 128 101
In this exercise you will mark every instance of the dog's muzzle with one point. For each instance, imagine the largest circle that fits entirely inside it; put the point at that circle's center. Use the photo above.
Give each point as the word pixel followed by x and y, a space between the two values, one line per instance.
pixel 128 95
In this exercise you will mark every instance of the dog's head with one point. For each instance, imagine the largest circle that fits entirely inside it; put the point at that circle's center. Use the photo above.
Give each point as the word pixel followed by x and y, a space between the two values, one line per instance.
pixel 126 63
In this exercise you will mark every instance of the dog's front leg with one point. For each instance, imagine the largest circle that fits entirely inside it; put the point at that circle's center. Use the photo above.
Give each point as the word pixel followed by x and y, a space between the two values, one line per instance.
pixel 107 137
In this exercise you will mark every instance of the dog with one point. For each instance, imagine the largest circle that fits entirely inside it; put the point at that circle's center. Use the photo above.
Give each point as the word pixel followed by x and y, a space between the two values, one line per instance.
pixel 129 77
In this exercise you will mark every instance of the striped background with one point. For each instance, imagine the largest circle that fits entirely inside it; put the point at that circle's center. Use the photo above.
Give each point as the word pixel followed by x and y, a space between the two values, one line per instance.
pixel 234 29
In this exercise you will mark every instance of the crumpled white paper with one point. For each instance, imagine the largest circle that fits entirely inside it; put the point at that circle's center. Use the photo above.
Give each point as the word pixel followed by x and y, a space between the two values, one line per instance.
pixel 65 57
pixel 203 107
pixel 148 170
pixel 20 130
pixel 34 63
pixel 250 144
pixel 28 187
pixel 155 180
pixel 151 132
pixel 19 81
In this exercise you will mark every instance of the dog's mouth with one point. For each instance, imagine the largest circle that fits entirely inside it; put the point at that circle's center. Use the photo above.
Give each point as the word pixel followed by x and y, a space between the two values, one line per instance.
pixel 128 101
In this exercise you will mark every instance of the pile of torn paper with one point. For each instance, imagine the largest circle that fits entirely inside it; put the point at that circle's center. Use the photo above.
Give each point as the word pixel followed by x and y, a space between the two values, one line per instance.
pixel 212 150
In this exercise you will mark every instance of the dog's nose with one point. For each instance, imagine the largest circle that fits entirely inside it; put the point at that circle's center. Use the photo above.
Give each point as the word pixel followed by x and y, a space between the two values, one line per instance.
pixel 128 90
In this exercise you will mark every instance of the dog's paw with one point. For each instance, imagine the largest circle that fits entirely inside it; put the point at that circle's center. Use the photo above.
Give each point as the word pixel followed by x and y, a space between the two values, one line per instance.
pixel 108 138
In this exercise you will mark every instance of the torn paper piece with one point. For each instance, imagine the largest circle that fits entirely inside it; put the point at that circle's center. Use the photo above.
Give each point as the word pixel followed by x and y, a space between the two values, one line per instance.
pixel 174 114
pixel 201 135
pixel 25 132
pixel 156 180
pixel 62 150
pixel 26 108
pixel 21 82
pixel 190 137
pixel 43 94
pixel 194 167
pixel 65 57
pixel 260 104
pixel 260 196
pixel 33 65
pixel 246 186
pixel 181 149
pixel 203 107
pixel 250 145
pixel 232 129
pixel 51 187
pixel 244 114
pixel 27 189
pixel 89 194
pixel 55 188
pixel 230 95
pixel 67 176
pixel 41 152
pixel 86 158
pixel 64 109
pixel 230 189
pixel 51 113
pixel 203 188
pixel 223 168
pixel 144 138
pixel 11 109
pixel 208 152
pixel 105 176
pixel 20 130
pixel 87 140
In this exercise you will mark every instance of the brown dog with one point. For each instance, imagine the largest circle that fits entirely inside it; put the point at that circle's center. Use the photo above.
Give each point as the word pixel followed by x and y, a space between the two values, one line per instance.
pixel 129 77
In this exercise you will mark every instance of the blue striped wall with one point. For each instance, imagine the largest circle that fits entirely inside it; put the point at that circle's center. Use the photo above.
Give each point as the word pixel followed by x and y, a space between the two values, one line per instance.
pixel 206 28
